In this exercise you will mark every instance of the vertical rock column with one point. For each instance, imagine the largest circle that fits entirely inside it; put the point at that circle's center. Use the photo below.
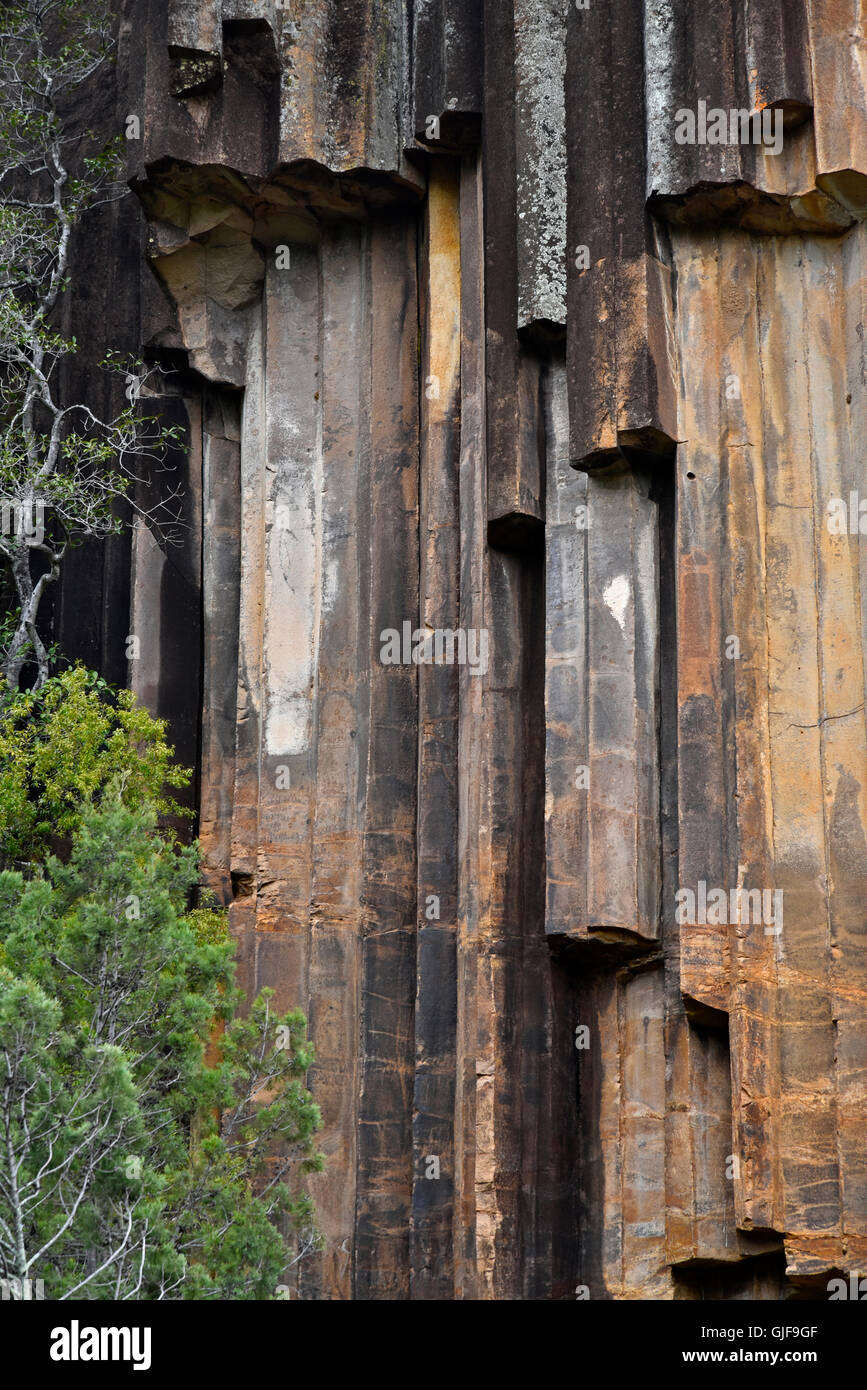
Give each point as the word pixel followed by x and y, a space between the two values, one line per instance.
pixel 323 843
pixel 770 431
pixel 440 541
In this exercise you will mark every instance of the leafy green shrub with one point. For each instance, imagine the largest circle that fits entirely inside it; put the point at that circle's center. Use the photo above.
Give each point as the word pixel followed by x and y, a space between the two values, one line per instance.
pixel 209 925
pixel 63 745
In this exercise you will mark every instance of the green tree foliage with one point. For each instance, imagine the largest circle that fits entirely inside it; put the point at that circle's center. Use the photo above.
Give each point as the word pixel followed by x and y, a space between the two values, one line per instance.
pixel 151 1132
pixel 61 746
pixel 130 1167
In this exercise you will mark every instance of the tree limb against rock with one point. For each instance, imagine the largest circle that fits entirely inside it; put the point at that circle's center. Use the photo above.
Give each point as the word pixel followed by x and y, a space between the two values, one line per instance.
pixel 63 467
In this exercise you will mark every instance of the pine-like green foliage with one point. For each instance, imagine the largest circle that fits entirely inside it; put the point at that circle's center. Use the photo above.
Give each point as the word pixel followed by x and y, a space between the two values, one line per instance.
pixel 151 1135
pixel 129 1167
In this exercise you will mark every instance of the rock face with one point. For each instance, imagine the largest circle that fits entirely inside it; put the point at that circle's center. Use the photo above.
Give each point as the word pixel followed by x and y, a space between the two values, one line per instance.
pixel 467 342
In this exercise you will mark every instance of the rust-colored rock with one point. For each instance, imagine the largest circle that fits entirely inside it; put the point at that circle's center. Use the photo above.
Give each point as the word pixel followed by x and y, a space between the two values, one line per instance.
pixel 466 340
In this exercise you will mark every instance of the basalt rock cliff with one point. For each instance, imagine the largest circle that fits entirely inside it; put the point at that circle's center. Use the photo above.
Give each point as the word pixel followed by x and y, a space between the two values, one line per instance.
pixel 464 337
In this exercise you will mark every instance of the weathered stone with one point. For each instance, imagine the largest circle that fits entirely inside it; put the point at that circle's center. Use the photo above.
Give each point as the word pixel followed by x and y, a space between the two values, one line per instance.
pixel 535 1072
pixel 447 96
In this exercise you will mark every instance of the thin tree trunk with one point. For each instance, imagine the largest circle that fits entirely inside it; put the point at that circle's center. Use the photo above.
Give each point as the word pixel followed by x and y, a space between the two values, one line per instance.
pixel 26 636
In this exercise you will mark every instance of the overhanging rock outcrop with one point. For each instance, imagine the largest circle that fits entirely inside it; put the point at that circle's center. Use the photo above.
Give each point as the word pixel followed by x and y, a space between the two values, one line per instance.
pixel 466 339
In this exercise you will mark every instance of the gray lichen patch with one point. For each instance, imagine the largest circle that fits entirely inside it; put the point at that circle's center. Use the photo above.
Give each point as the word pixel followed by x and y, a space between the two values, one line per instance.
pixel 540 135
